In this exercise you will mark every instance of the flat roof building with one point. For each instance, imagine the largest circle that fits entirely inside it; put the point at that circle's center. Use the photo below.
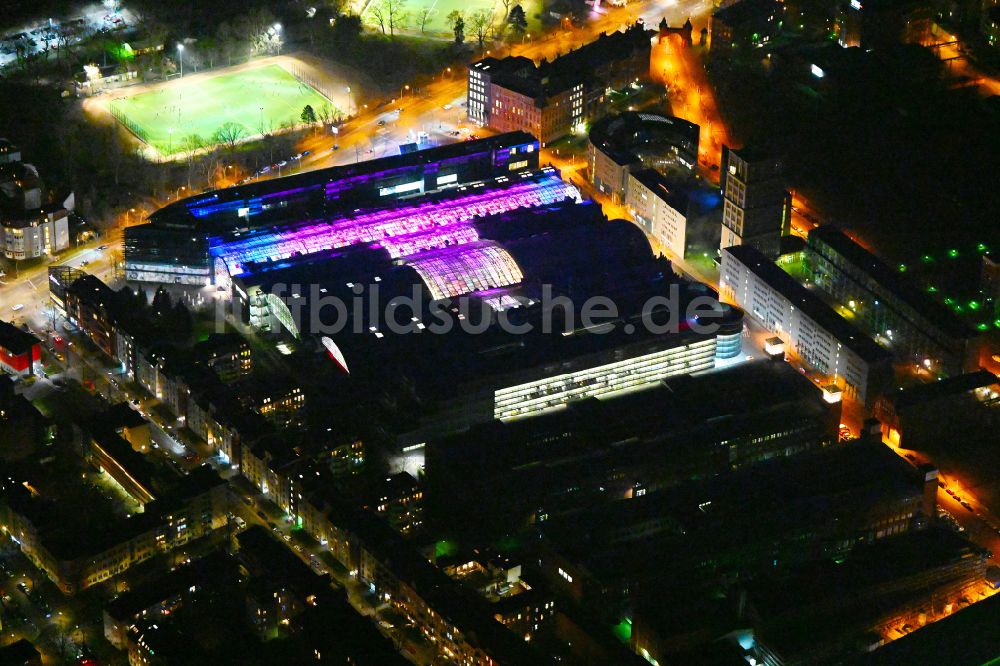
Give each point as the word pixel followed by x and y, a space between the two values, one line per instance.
pixel 174 248
pixel 665 209
pixel 910 417
pixel 967 638
pixel 812 329
pixel 830 611
pixel 756 206
pixel 538 354
pixel 745 23
pixel 510 472
pixel 631 141
pixel 907 322
pixel 725 527
pixel 552 99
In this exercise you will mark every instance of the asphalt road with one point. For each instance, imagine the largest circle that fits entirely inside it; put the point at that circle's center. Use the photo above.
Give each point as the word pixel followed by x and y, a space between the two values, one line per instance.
pixel 24 292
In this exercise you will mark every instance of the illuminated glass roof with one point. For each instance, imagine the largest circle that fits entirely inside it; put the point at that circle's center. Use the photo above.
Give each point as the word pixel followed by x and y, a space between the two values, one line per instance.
pixel 455 271
pixel 402 230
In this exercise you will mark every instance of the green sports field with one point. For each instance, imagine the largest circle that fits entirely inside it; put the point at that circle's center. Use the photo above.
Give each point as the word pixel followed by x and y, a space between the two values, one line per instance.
pixel 258 100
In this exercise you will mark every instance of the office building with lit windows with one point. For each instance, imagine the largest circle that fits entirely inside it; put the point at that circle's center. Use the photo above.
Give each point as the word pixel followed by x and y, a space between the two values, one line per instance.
pixel 178 244
pixel 813 330
pixel 902 318
pixel 539 373
pixel 756 206
pixel 552 99
pixel 660 208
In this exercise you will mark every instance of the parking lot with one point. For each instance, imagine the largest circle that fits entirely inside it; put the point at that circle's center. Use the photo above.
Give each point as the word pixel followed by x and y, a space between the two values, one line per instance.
pixel 53 34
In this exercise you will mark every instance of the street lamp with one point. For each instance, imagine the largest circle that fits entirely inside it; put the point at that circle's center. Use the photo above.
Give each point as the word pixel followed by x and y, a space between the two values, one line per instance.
pixel 349 100
pixel 273 32
pixel 180 57
pixel 401 90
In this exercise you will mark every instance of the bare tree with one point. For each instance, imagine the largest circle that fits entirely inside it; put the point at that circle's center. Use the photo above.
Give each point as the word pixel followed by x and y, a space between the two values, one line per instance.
pixel 192 144
pixel 327 114
pixel 423 16
pixel 229 134
pixel 506 8
pixel 480 22
pixel 209 49
pixel 380 12
pixel 396 10
pixel 209 165
pixel 257 29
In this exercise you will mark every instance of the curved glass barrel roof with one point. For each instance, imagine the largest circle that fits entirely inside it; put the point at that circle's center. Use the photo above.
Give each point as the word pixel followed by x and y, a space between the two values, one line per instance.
pixel 454 271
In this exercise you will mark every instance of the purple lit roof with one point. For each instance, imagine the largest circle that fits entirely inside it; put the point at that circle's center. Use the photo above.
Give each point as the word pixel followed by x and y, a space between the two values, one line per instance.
pixel 402 230
pixel 453 271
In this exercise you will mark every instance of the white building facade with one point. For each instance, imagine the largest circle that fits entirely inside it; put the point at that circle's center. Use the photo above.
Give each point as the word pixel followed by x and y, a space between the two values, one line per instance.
pixel 38 233
pixel 661 212
pixel 810 328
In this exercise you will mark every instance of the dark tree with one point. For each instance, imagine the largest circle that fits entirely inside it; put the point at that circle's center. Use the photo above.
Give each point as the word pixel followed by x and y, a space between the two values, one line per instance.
pixel 308 115
pixel 162 303
pixel 457 22
pixel 517 20
pixel 182 325
pixel 141 302
pixel 347 29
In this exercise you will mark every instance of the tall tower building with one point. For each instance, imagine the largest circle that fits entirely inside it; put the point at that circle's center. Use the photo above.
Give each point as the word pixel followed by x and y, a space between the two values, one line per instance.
pixel 757 207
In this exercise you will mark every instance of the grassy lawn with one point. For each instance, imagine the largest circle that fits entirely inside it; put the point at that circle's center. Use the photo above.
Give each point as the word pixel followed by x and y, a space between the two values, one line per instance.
pixel 437 20
pixel 261 99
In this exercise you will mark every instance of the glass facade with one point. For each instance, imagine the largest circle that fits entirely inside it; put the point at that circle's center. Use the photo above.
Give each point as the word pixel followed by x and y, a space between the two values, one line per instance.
pixel 603 380
pixel 455 271
pixel 728 346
